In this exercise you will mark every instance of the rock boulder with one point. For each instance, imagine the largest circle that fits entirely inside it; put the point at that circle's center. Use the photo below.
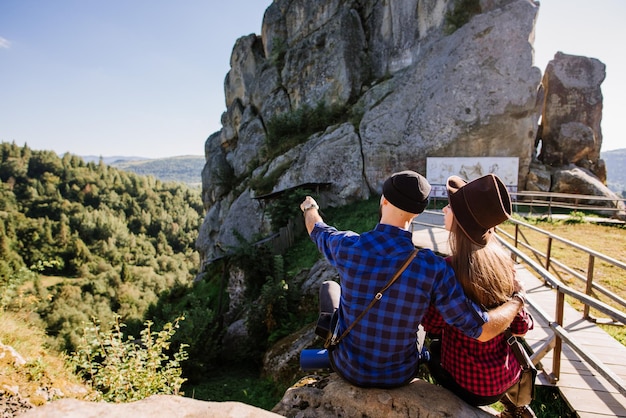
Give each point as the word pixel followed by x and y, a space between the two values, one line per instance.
pixel 155 406
pixel 572 112
pixel 332 397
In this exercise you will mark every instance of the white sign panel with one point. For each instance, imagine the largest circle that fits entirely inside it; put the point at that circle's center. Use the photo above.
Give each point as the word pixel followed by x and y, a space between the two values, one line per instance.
pixel 438 169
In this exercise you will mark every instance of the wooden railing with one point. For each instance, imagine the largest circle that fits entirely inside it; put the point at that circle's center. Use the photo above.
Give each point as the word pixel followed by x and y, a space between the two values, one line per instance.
pixel 567 201
pixel 281 241
pixel 549 261
pixel 556 202
pixel 560 334
pixel 541 264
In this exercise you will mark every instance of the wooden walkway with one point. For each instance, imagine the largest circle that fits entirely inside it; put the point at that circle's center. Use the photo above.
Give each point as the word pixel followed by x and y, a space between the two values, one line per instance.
pixel 584 389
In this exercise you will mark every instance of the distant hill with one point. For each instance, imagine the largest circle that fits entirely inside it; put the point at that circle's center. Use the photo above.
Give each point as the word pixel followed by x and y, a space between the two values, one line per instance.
pixel 110 160
pixel 616 170
pixel 185 168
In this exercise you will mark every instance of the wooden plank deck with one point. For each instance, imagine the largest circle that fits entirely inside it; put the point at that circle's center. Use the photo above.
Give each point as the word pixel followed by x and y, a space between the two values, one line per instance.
pixel 583 388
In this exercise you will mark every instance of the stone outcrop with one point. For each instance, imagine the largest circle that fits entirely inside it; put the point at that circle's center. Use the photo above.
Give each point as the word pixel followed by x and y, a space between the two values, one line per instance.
pixel 331 397
pixel 467 96
pixel 154 406
pixel 572 113
pixel 312 397
pixel 570 135
pixel 413 84
pixel 576 180
pixel 281 361
pixel 20 391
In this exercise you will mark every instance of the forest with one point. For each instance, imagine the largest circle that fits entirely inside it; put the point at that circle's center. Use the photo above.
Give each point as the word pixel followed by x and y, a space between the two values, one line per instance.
pixel 83 241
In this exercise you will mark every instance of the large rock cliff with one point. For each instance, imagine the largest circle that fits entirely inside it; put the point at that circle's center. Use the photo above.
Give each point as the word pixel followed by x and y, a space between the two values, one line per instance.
pixel 418 79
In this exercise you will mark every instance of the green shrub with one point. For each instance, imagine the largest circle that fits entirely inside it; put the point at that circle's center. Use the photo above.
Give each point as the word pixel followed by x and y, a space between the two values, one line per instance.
pixel 461 13
pixel 285 207
pixel 277 56
pixel 549 403
pixel 256 261
pixel 10 283
pixel 123 370
pixel 202 303
pixel 359 216
pixel 289 129
pixel 576 217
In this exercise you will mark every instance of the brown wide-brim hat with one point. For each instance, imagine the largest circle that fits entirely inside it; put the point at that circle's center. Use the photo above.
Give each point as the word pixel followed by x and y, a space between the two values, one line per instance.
pixel 479 206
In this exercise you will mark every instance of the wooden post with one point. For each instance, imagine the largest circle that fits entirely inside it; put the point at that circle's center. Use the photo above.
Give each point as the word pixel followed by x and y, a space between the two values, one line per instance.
pixel 550 207
pixel 589 286
pixel 548 253
pixel 516 240
pixel 556 360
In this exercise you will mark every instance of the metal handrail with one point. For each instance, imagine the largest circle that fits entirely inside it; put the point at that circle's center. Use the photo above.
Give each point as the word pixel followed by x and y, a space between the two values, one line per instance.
pixel 588 250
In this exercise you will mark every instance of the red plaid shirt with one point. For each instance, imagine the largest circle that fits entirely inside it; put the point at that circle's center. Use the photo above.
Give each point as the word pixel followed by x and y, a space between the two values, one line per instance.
pixel 483 368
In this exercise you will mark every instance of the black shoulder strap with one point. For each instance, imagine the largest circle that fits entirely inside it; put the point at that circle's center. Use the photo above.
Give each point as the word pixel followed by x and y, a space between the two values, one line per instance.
pixel 521 354
pixel 334 340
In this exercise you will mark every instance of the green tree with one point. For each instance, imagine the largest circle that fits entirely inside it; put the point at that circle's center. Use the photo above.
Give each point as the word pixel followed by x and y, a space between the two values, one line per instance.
pixel 90 224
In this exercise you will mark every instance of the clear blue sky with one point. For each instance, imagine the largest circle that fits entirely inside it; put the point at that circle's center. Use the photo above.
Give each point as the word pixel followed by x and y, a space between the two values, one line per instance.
pixel 145 77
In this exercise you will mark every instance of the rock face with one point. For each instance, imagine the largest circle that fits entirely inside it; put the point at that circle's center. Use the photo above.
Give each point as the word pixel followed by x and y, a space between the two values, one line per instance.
pixel 311 397
pixel 415 82
pixel 154 406
pixel 577 180
pixel 572 112
pixel 468 95
pixel 332 397
pixel 570 136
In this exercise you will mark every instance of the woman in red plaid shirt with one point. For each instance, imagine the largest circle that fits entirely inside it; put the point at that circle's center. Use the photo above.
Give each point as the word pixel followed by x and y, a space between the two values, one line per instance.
pixel 478 372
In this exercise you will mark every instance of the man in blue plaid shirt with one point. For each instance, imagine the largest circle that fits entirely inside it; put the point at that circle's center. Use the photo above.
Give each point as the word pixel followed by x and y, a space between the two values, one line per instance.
pixel 381 349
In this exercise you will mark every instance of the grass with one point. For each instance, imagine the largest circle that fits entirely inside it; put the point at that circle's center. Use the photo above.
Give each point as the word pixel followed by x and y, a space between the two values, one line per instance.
pixel 238 384
pixel 43 368
pixel 549 404
pixel 358 217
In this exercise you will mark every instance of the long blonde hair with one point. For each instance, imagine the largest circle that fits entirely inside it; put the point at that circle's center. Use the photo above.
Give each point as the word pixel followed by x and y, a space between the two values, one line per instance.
pixel 486 273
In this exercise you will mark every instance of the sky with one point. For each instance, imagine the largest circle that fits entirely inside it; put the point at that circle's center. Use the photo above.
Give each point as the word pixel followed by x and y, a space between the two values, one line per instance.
pixel 146 77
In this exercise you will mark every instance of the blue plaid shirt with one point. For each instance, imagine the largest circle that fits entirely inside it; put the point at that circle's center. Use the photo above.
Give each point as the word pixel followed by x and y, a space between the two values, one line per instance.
pixel 381 350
